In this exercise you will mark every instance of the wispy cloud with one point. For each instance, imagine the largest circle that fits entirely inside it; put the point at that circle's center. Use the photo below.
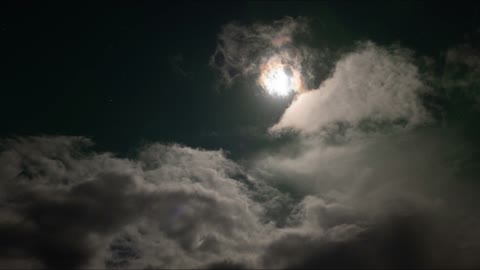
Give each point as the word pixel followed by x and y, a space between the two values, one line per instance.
pixel 242 49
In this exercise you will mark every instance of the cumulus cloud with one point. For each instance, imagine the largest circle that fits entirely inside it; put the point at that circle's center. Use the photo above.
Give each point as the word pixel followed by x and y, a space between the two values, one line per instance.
pixel 371 204
pixel 386 201
pixel 380 200
pixel 398 197
pixel 371 84
pixel 173 206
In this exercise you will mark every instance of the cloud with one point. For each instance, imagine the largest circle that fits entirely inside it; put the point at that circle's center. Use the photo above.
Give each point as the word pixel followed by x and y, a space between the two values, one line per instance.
pixel 465 54
pixel 378 182
pixel 385 201
pixel 460 76
pixel 370 85
pixel 173 206
pixel 388 201
pixel 396 242
pixel 242 49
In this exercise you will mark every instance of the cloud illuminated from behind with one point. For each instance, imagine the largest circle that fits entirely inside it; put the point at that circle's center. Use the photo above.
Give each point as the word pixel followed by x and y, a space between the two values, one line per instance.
pixel 370 84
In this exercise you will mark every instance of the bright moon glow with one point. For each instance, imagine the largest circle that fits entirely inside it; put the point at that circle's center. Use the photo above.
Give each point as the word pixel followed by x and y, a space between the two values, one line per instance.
pixel 280 79
pixel 279 83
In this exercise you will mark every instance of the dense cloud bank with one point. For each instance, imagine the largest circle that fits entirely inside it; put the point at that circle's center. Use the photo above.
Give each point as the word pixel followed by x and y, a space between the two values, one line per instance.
pixel 403 200
pixel 173 206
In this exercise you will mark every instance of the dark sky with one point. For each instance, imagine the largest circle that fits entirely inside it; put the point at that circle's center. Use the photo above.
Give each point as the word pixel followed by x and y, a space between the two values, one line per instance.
pixel 159 135
pixel 123 74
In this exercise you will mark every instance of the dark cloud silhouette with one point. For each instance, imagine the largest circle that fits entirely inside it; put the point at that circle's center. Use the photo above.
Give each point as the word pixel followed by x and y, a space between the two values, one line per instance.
pixel 226 265
pixel 417 239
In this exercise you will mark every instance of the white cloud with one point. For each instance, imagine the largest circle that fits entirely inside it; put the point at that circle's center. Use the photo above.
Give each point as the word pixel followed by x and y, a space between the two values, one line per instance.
pixel 177 207
pixel 403 190
pixel 171 207
pixel 371 83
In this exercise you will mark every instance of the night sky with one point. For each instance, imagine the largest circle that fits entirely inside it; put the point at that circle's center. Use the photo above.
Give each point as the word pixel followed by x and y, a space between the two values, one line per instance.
pixel 240 134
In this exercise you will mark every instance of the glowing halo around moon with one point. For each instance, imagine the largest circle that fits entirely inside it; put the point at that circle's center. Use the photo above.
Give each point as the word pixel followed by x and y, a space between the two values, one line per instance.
pixel 277 82
pixel 280 79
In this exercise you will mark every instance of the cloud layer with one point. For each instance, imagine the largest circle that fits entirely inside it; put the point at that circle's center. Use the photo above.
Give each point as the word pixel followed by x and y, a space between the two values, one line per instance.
pixel 171 207
pixel 385 201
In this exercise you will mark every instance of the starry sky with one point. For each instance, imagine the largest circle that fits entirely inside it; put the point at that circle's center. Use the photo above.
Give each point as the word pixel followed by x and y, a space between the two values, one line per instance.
pixel 138 135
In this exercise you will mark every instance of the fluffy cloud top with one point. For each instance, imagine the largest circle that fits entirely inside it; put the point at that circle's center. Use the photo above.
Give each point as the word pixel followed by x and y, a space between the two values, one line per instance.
pixel 369 84
pixel 176 207
pixel 172 207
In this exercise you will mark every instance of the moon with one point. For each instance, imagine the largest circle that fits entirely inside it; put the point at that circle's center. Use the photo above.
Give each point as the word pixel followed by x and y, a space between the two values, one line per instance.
pixel 279 79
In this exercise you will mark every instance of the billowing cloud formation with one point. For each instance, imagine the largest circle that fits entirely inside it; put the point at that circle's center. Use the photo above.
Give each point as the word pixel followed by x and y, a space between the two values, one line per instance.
pixel 390 201
pixel 394 197
pixel 172 207
pixel 371 84
pixel 382 200
pixel 243 49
